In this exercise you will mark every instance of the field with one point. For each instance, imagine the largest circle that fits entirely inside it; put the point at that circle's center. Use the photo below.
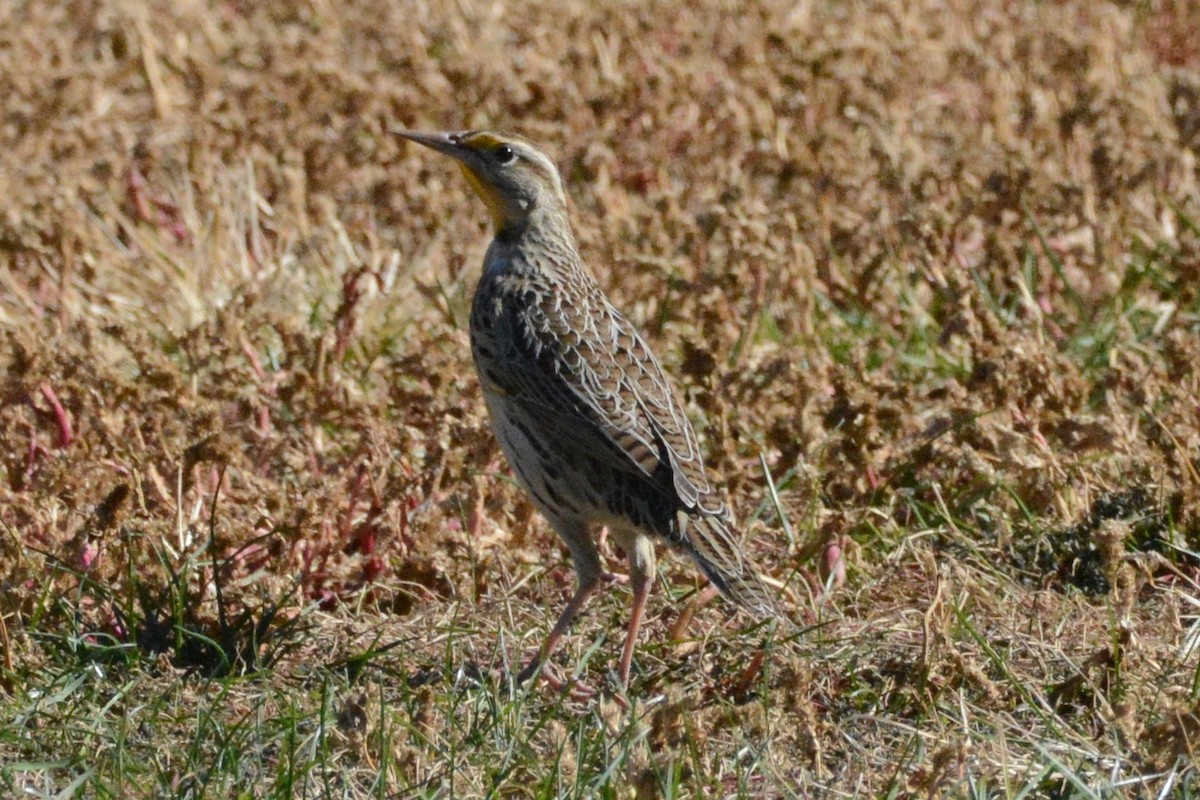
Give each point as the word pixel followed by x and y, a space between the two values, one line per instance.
pixel 927 275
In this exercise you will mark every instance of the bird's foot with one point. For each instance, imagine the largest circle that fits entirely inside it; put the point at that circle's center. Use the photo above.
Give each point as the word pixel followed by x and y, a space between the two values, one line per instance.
pixel 611 578
pixel 578 691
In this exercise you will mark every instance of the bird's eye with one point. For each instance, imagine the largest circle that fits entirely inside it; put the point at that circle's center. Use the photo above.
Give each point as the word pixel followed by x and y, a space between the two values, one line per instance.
pixel 505 155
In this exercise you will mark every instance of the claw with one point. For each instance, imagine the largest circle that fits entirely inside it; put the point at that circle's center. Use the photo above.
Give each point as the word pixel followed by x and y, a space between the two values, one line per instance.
pixel 613 578
pixel 579 691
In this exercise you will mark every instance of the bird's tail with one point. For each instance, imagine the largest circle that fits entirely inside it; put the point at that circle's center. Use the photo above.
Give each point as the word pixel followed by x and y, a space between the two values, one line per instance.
pixel 712 545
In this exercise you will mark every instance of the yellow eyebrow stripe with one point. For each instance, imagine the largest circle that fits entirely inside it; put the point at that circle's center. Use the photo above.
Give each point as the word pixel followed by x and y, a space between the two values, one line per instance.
pixel 485 141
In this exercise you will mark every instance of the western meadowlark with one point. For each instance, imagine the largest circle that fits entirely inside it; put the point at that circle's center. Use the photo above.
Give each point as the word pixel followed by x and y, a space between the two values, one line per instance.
pixel 589 422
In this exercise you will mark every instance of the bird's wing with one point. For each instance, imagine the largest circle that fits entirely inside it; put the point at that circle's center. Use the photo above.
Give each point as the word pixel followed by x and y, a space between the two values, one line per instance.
pixel 595 387
pixel 603 389
pixel 596 383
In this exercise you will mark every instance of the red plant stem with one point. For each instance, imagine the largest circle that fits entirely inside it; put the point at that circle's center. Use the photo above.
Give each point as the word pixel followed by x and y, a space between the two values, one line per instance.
pixel 65 434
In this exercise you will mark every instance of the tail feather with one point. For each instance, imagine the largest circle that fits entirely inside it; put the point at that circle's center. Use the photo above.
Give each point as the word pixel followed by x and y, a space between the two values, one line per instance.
pixel 711 544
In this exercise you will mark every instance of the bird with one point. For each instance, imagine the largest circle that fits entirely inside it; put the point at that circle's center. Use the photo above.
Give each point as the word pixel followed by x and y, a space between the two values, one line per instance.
pixel 591 425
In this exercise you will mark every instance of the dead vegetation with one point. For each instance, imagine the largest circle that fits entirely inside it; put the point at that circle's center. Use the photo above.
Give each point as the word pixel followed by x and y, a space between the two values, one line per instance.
pixel 937 265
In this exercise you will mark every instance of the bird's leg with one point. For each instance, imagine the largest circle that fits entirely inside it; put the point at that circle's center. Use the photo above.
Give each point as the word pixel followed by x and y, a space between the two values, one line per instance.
pixel 586 561
pixel 585 590
pixel 549 673
pixel 641 590
pixel 642 569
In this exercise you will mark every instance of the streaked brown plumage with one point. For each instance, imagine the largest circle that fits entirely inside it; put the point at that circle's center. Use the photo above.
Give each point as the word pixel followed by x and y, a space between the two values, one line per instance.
pixel 590 424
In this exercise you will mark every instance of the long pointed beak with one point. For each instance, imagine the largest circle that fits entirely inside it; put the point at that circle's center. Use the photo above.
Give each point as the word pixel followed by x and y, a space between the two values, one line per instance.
pixel 447 143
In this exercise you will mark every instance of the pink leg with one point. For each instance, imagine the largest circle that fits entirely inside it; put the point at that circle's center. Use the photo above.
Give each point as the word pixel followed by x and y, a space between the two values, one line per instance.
pixel 641 590
pixel 561 627
pixel 584 591
pixel 642 569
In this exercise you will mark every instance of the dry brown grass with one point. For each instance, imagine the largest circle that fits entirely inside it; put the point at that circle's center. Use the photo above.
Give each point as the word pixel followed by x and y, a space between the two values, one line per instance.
pixel 936 263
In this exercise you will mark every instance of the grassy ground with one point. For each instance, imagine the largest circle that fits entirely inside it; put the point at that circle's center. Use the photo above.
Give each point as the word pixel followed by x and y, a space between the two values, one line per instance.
pixel 930 269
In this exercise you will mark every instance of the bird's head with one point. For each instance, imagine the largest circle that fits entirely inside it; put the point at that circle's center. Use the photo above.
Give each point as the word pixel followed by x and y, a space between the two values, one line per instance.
pixel 515 179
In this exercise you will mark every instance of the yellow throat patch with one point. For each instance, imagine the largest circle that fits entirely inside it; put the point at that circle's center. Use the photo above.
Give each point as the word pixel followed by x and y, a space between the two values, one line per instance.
pixel 491 198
